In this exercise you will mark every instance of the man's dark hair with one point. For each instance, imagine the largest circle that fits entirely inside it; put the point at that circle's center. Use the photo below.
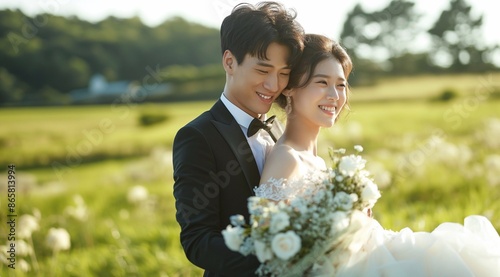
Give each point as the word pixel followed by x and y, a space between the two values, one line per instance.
pixel 251 29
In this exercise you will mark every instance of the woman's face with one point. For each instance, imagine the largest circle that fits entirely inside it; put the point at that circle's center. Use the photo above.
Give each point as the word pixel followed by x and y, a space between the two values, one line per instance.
pixel 320 102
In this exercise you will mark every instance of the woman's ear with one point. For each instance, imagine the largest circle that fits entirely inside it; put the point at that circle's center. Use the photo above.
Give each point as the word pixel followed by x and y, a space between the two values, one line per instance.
pixel 287 92
pixel 228 62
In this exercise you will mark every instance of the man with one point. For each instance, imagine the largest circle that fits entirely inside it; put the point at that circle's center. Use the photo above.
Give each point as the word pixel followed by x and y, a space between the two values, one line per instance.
pixel 217 162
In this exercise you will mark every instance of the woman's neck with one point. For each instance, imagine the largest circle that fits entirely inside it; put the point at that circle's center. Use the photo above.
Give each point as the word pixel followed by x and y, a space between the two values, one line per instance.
pixel 301 136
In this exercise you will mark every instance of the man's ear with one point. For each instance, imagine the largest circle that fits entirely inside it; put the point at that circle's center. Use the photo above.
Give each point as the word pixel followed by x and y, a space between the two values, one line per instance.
pixel 228 61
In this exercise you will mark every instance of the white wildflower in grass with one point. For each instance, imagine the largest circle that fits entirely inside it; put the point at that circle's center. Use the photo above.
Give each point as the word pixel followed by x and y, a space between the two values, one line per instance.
pixel 58 239
pixel 4 254
pixel 286 245
pixel 124 214
pixel 137 194
pixel 262 251
pixel 358 148
pixel 233 237
pixel 381 176
pixel 340 151
pixel 23 265
pixel 27 225
pixel 492 168
pixel 79 211
pixel 23 249
pixel 279 222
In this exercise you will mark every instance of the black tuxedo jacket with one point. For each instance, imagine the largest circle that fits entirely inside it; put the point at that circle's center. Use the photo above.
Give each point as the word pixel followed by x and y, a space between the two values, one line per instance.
pixel 214 173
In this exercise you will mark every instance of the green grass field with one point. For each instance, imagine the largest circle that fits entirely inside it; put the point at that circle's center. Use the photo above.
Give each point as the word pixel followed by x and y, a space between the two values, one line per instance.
pixel 87 169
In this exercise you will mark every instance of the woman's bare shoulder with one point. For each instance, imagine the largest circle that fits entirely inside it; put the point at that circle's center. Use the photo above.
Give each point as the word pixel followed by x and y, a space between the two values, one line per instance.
pixel 282 162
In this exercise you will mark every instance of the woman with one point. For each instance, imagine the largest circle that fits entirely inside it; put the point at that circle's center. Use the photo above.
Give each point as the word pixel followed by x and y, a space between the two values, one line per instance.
pixel 316 94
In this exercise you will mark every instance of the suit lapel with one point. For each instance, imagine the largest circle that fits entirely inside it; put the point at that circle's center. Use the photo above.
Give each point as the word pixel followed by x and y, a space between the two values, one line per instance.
pixel 231 131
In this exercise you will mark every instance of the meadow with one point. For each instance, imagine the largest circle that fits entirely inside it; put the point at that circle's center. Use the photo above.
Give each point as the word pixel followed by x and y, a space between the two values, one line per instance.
pixel 97 173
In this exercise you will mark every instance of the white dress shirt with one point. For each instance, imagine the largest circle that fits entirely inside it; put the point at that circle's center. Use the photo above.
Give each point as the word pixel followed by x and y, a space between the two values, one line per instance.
pixel 261 143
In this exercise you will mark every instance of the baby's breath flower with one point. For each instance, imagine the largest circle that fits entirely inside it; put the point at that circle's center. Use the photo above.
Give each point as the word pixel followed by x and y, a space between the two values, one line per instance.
pixel 263 251
pixel 343 201
pixel 279 222
pixel 246 247
pixel 340 221
pixel 237 220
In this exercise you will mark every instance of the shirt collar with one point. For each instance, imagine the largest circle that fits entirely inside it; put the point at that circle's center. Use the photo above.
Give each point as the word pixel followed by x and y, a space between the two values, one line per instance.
pixel 239 115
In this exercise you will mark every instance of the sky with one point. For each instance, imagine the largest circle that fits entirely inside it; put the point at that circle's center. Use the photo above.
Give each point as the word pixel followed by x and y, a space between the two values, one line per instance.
pixel 316 16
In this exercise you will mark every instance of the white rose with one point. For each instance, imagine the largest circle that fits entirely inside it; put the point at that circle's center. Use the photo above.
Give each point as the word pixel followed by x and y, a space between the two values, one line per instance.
pixel 286 245
pixel 279 221
pixel 262 251
pixel 370 192
pixel 348 165
pixel 233 237
pixel 58 239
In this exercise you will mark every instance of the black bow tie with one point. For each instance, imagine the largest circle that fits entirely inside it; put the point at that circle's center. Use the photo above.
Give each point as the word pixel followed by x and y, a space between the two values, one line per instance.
pixel 256 125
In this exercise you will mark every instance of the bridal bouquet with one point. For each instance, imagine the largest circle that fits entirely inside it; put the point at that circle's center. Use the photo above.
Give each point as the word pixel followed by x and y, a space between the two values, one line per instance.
pixel 292 237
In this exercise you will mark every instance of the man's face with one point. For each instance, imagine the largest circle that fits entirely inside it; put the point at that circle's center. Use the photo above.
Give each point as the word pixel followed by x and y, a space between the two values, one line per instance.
pixel 254 84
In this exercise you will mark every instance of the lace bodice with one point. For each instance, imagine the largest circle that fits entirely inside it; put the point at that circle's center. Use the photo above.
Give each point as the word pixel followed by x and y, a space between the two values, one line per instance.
pixel 311 168
pixel 282 189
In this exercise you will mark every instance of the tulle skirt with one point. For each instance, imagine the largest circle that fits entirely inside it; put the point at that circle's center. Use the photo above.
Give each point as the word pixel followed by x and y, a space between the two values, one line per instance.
pixel 471 249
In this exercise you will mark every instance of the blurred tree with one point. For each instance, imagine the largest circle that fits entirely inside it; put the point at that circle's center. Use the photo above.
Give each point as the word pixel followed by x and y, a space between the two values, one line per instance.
pixel 53 55
pixel 381 34
pixel 11 90
pixel 384 37
pixel 457 39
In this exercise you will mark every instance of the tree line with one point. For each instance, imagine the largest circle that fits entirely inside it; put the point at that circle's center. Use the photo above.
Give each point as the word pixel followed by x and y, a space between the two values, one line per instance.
pixel 44 57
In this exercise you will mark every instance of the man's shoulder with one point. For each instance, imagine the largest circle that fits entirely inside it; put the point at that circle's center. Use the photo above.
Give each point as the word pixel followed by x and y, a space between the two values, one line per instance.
pixel 201 119
pixel 204 120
